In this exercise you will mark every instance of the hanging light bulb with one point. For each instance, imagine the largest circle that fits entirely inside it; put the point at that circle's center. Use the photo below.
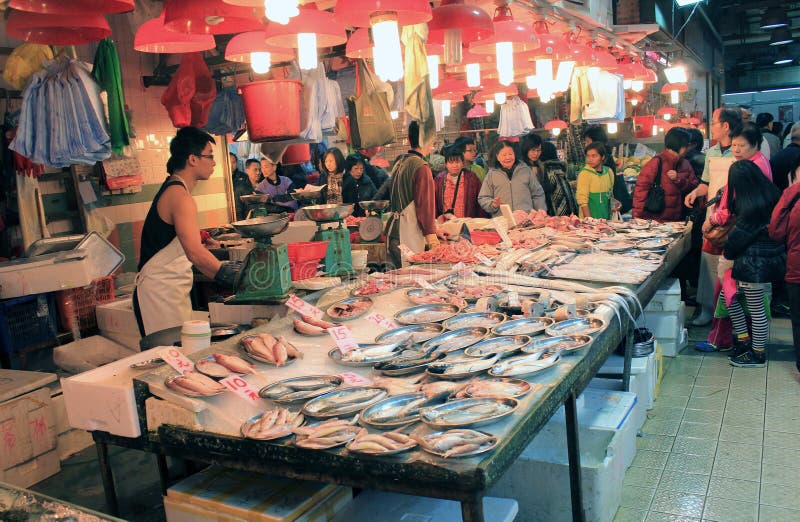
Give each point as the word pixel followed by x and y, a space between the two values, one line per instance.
pixel 667 116
pixel 674 97
pixel 260 62
pixel 280 11
pixel 634 102
pixel 637 85
pixel 307 50
pixel 612 127
pixel 626 83
pixel 505 62
pixel 489 106
pixel 530 81
pixel 655 130
pixel 445 108
pixel 556 131
pixel 394 114
pixel 499 98
pixel 433 71
pixel 387 53
pixel 564 75
pixel 473 75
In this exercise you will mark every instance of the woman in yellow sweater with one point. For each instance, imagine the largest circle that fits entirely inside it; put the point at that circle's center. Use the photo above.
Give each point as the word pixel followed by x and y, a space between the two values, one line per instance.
pixel 595 184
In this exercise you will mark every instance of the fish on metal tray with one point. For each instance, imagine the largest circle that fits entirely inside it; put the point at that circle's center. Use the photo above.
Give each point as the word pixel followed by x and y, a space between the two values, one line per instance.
pixel 469 412
pixel 462 366
pixel 456 442
pixel 343 401
pixel 577 325
pixel 455 340
pixel 430 313
pixel 367 354
pixel 474 319
pixel 297 388
pixel 384 444
pixel 417 333
pixel 503 346
pixel 498 387
pixel 525 364
pixel 274 424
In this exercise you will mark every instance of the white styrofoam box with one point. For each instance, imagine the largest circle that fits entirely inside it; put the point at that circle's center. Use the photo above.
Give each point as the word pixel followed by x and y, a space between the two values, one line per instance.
pixel 88 353
pixel 129 341
pixel 116 320
pixel 605 406
pixel 28 473
pixel 539 478
pixel 664 325
pixel 395 507
pixel 102 399
pixel 667 298
pixel 643 367
pixel 242 314
pixel 50 273
pixel 672 347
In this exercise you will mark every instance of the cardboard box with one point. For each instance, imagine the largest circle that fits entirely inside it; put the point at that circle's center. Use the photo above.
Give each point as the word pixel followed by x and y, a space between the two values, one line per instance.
pixel 32 471
pixel 233 495
pixel 27 428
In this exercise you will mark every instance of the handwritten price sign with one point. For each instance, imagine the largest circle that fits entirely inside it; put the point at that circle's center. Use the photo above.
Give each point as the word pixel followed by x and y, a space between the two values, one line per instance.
pixel 382 321
pixel 343 338
pixel 176 359
pixel 241 388
pixel 304 308
pixel 352 379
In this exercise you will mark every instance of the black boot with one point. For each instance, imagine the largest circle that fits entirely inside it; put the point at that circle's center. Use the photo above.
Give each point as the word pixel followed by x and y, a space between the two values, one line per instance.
pixel 740 347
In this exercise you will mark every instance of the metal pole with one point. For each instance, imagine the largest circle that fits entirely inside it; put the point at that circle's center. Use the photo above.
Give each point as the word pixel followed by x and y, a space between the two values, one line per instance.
pixel 574 454
pixel 108 478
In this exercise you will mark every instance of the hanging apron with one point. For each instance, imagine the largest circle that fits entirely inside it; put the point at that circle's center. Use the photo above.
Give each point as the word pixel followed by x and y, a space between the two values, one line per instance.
pixel 162 288
pixel 409 231
pixel 600 205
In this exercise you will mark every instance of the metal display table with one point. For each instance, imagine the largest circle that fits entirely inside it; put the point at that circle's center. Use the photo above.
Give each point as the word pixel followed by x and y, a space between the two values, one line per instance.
pixel 463 480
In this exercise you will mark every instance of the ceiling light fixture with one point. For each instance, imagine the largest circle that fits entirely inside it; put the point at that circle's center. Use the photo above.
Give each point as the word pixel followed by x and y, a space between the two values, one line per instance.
pixel 783 60
pixel 781 36
pixel 773 18
pixel 676 74
pixel 684 3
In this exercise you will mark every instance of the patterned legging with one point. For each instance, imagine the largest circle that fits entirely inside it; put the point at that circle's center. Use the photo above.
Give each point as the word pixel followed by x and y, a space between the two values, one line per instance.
pixel 754 294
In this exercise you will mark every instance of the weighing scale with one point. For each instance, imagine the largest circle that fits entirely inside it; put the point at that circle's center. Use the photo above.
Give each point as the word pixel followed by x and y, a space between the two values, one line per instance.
pixel 338 258
pixel 265 273
pixel 371 229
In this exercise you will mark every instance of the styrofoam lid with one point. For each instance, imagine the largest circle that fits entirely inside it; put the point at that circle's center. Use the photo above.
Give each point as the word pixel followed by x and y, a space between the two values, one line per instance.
pixel 104 257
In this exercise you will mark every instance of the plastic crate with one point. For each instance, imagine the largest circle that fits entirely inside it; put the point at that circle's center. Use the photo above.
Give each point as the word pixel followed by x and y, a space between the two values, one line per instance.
pixel 27 320
pixel 81 302
pixel 305 270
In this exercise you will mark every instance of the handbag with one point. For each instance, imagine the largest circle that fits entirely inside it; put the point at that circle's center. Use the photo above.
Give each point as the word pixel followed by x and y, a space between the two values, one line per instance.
pixel 718 234
pixel 656 200
pixel 370 118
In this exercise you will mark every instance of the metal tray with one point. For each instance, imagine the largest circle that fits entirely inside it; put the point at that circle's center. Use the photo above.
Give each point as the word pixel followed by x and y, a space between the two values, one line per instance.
pixel 337 357
pixel 576 325
pixel 419 332
pixel 455 340
pixel 614 246
pixel 429 313
pixel 299 388
pixel 188 394
pixel 489 446
pixel 485 319
pixel 49 245
pixel 323 406
pixel 105 257
pixel 399 365
pixel 552 343
pixel 523 388
pixel 527 326
pixel 349 301
pixel 501 370
pixel 200 367
pixel 384 413
pixel 505 346
pixel 434 416
pixel 298 422
pixel 478 365
pixel 653 243
pixel 417 296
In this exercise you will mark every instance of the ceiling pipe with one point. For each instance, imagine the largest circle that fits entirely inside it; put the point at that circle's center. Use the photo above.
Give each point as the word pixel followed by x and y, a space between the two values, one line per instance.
pixel 711 26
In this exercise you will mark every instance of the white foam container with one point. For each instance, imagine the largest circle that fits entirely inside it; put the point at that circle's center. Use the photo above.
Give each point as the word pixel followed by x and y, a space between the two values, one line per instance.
pixel 642 367
pixel 369 506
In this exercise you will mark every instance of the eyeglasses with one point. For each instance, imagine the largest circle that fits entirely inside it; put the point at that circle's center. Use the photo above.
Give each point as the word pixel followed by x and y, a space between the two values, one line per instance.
pixel 207 156
pixel 470 150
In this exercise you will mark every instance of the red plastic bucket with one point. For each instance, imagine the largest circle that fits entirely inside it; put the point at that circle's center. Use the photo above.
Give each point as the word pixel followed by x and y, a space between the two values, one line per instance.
pixel 272 109
pixel 296 154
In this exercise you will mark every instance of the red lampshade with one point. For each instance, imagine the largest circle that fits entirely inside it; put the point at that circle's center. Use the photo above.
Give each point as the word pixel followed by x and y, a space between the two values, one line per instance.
pixel 474 23
pixel 552 46
pixel 592 55
pixel 57 29
pixel 663 111
pixel 638 97
pixel 490 86
pixel 644 74
pixel 208 17
pixel 669 87
pixel 153 37
pixel 246 3
pixel 453 89
pixel 486 61
pixel 241 45
pixel 506 29
pixel 478 111
pixel 359 45
pixel 73 7
pixel 310 20
pixel 356 13
pixel 555 123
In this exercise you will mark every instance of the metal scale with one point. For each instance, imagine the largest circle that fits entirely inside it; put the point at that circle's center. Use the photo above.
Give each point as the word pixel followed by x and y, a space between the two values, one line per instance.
pixel 338 258
pixel 265 272
pixel 371 228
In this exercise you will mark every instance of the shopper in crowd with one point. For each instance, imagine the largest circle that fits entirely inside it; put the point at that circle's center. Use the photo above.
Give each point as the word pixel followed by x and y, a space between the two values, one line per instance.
pixel 357 186
pixel 332 174
pixel 764 122
pixel 787 133
pixel 234 163
pixel 757 259
pixel 559 193
pixel 510 182
pixel 724 122
pixel 276 186
pixel 171 239
pixel 595 183
pixel 457 188
pixel 689 267
pixel 597 134
pixel 777 130
pixel 784 227
pixel 746 143
pixel 675 176
pixel 374 172
pixel 470 149
pixel 530 150
pixel 782 163
pixel 411 201
pixel 694 154
pixel 747 117
pixel 244 185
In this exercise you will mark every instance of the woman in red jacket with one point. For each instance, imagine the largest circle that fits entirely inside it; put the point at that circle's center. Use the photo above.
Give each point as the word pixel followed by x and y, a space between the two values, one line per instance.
pixel 784 227
pixel 457 188
pixel 677 178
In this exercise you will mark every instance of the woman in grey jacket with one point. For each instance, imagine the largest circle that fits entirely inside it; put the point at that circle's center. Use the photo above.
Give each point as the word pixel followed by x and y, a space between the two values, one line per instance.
pixel 510 182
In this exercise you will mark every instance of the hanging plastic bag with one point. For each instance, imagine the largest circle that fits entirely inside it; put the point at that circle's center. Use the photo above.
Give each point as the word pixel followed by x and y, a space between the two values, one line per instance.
pixel 23 62
pixel 190 93
pixel 370 119
pixel 227 113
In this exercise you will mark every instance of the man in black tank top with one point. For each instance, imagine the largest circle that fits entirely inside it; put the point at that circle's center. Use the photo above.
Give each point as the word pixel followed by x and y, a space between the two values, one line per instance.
pixel 171 238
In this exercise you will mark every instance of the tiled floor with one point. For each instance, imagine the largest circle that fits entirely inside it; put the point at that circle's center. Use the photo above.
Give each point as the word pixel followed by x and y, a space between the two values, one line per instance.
pixel 721 443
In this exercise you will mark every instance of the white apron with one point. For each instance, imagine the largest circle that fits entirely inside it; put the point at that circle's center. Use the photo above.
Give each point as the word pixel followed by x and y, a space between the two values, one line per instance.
pixel 410 233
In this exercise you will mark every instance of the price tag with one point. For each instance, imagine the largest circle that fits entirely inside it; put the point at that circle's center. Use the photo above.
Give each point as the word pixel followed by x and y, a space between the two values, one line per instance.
pixel 344 338
pixel 241 388
pixel 352 379
pixel 304 308
pixel 483 259
pixel 176 359
pixel 382 321
pixel 404 250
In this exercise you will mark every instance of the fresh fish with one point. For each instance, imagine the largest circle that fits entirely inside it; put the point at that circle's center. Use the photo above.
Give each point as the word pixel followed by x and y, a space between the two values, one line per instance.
pixel 456 442
pixel 469 411
pixel 373 352
pixel 234 363
pixel 463 365
pixel 270 425
pixel 494 388
pixel 208 366
pixel 525 364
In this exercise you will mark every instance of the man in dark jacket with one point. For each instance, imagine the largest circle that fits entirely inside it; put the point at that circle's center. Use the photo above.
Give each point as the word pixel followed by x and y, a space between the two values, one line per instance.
pixel 783 162
pixel 244 185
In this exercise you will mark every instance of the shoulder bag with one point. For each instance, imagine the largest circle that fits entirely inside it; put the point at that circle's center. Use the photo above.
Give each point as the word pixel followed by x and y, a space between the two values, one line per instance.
pixel 656 200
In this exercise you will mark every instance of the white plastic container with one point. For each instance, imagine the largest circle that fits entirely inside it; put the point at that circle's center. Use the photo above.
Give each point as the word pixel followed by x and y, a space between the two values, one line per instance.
pixel 359 259
pixel 667 298
pixel 642 367
pixel 195 335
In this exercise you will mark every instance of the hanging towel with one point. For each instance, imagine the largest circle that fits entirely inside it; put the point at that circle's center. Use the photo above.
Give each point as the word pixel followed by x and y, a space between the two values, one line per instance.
pixel 107 73
pixel 419 103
